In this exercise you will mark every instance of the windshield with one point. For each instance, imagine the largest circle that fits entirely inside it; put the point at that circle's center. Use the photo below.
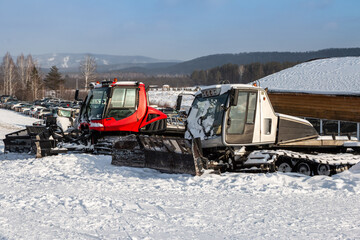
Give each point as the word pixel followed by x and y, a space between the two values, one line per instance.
pixel 122 103
pixel 96 105
pixel 206 115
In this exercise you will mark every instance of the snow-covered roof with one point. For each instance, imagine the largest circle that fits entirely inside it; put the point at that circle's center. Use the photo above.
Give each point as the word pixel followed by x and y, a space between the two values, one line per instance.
pixel 323 76
pixel 226 87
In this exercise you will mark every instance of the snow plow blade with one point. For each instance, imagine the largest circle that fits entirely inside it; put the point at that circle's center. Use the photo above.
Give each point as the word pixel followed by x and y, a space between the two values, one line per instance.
pixel 166 154
pixel 33 139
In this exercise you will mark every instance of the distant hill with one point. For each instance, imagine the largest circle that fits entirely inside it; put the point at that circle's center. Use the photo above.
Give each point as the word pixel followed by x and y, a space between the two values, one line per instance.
pixel 68 62
pixel 140 64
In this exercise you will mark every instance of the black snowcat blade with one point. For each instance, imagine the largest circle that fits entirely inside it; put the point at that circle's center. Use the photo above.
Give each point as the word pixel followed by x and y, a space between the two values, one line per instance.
pixel 166 154
pixel 33 139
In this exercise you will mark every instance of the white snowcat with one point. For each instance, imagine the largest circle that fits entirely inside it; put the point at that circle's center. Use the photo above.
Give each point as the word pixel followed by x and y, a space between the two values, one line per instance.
pixel 233 127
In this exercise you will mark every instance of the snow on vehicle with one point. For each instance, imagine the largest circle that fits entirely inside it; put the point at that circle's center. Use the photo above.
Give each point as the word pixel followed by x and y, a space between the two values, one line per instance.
pixel 235 128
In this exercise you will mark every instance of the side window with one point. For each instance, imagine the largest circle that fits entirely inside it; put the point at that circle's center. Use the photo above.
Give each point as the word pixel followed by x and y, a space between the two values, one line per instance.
pixel 237 115
pixel 251 108
pixel 123 98
pixel 243 113
pixel 130 98
pixel 268 122
pixel 118 98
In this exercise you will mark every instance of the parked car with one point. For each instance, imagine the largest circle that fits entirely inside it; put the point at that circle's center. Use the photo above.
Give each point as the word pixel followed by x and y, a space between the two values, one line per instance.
pixel 17 107
pixel 52 113
pixel 34 109
pixel 9 104
pixel 25 107
pixel 39 111
pixel 42 112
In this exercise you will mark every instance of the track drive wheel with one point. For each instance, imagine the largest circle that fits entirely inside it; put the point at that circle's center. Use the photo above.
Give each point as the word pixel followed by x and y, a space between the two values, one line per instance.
pixel 323 169
pixel 303 168
pixel 284 165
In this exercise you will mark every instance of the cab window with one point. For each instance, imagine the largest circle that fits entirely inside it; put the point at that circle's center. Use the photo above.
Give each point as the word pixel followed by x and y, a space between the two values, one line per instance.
pixel 122 103
pixel 242 113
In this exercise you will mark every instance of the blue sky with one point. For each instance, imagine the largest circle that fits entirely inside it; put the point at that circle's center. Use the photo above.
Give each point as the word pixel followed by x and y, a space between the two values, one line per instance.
pixel 176 29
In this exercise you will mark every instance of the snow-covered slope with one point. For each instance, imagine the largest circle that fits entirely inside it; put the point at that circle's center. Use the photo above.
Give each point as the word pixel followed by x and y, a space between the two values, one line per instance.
pixel 82 196
pixel 332 75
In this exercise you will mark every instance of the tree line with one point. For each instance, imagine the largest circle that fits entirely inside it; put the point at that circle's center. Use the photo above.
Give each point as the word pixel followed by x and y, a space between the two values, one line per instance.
pixel 234 73
pixel 21 78
pixel 25 80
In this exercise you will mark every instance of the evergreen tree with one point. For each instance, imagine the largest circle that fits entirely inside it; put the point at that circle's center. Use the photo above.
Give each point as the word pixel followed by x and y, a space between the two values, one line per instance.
pixel 53 79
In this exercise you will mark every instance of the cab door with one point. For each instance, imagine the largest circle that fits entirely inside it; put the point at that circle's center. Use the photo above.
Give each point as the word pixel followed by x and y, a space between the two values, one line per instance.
pixel 240 118
pixel 268 120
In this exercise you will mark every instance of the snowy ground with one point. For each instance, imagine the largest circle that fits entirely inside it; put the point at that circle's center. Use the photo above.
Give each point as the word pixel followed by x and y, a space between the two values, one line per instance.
pixel 81 196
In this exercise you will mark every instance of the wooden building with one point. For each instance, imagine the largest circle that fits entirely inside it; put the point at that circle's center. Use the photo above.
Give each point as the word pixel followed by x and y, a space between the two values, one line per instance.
pixel 321 106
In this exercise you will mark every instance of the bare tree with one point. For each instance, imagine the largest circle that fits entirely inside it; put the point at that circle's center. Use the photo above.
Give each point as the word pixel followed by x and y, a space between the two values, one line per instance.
pixel 2 87
pixel 21 70
pixel 25 77
pixel 29 68
pixel 87 69
pixel 8 74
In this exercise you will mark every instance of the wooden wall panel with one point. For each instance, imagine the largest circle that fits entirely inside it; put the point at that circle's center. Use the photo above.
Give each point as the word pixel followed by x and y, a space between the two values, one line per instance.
pixel 335 107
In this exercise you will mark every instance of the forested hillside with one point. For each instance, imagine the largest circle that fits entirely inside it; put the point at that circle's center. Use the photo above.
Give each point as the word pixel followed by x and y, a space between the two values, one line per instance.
pixel 238 73
pixel 211 61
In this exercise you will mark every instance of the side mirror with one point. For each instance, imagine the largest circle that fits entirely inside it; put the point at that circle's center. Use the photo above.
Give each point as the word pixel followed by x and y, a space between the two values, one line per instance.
pixel 77 94
pixel 234 97
pixel 178 102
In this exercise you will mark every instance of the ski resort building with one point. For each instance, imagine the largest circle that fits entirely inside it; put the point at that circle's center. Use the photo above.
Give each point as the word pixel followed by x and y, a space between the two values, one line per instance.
pixel 326 92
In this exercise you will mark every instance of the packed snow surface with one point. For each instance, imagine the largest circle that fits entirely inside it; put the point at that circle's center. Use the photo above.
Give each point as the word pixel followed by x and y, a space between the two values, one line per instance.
pixel 324 76
pixel 82 196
